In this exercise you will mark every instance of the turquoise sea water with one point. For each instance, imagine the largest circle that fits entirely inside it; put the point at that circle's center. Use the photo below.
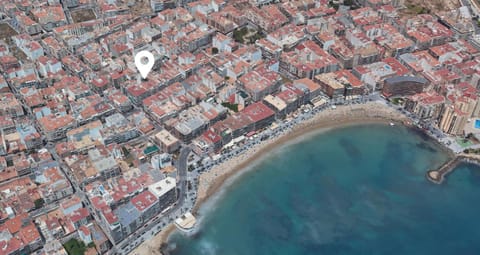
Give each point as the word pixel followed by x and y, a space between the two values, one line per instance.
pixel 355 190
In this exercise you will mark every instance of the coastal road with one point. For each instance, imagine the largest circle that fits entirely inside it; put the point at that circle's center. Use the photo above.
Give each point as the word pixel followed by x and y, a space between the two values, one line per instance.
pixel 181 165
pixel 154 224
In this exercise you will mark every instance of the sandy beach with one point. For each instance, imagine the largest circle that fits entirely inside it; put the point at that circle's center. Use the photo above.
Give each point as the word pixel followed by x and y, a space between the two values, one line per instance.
pixel 371 112
pixel 210 182
pixel 152 246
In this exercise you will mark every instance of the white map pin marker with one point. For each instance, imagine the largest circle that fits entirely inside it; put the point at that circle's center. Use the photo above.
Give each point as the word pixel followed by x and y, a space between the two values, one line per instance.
pixel 144 66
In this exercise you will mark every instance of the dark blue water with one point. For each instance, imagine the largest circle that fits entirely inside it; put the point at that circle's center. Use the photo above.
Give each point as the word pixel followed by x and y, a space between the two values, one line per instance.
pixel 356 190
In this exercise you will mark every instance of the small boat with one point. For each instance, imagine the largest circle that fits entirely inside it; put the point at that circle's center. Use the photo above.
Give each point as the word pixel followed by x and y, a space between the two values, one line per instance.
pixel 392 124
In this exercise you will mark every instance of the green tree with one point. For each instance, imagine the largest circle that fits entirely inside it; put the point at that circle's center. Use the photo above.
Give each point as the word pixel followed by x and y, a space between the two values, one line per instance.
pixel 214 51
pixel 233 107
pixel 125 151
pixel 39 203
pixel 75 247
pixel 238 34
pixel 332 4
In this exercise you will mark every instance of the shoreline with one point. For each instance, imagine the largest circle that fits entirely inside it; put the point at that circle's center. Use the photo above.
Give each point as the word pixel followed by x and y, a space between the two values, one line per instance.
pixel 247 161
pixel 153 246
pixel 373 112
pixel 217 178
pixel 212 181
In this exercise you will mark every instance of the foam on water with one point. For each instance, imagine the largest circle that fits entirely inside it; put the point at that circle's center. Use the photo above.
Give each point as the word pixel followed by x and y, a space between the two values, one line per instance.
pixel 207 247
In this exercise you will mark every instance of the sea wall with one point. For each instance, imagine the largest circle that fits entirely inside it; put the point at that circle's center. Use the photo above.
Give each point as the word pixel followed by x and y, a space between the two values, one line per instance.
pixel 438 175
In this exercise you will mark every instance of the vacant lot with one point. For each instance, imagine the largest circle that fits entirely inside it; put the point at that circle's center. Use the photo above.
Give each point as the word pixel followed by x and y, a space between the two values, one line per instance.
pixel 6 31
pixel 83 15
pixel 140 7
pixel 415 7
pixel 247 35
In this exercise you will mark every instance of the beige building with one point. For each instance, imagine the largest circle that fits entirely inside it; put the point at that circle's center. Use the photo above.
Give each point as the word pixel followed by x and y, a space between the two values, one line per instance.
pixel 455 116
pixel 276 104
pixel 453 120
pixel 330 85
pixel 86 137
pixel 476 111
pixel 167 141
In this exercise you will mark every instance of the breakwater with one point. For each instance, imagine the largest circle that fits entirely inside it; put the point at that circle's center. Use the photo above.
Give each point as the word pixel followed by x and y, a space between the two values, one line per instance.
pixel 438 175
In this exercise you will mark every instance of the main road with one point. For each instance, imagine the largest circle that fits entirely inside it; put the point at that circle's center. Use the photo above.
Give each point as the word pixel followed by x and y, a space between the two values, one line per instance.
pixel 181 165
pixel 144 232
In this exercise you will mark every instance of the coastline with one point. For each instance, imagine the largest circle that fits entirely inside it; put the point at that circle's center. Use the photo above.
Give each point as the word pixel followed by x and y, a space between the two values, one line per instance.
pixel 212 181
pixel 373 112
pixel 153 246
pixel 416 149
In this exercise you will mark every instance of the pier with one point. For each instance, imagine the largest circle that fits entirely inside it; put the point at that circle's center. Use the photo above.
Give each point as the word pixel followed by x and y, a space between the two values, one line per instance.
pixel 438 176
